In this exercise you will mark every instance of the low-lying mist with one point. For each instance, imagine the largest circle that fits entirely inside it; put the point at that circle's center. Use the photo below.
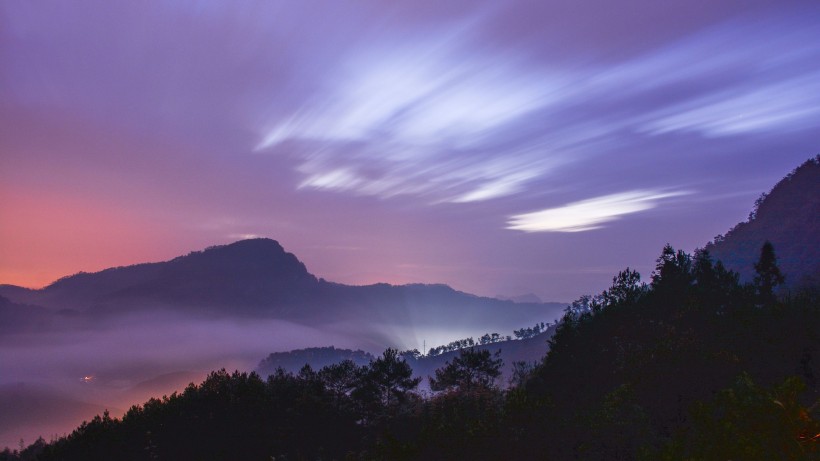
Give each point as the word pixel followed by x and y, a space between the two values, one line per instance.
pixel 68 375
pixel 58 374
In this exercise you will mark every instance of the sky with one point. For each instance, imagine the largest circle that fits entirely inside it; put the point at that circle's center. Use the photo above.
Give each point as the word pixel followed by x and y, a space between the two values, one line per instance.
pixel 503 148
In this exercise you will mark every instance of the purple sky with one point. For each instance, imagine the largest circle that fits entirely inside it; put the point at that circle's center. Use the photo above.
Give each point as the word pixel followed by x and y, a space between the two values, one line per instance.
pixel 502 148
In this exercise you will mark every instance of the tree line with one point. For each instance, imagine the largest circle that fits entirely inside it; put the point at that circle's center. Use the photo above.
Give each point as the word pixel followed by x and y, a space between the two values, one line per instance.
pixel 487 338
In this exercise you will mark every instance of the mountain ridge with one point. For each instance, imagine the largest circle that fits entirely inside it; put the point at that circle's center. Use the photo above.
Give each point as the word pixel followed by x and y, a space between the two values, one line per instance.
pixel 789 217
pixel 257 277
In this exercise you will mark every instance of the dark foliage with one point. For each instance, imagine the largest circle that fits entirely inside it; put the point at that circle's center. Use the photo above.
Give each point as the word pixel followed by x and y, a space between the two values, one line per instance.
pixel 636 377
pixel 768 275
pixel 472 369
pixel 228 416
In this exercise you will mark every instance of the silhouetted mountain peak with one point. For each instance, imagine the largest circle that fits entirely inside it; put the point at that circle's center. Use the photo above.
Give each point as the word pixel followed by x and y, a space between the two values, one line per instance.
pixel 255 272
pixel 254 258
pixel 244 248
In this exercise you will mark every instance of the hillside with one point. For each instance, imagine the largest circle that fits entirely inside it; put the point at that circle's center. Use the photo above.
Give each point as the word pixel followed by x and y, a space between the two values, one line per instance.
pixel 529 350
pixel 789 217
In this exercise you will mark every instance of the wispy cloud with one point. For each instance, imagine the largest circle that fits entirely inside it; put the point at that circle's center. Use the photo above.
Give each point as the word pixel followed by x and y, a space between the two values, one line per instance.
pixel 589 214
pixel 792 104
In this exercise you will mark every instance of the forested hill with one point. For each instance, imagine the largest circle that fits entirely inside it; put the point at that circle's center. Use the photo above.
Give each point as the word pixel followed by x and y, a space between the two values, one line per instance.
pixel 789 217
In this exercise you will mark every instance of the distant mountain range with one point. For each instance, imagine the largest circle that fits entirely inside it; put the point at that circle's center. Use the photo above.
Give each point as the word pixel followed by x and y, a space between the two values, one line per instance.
pixel 789 217
pixel 258 278
pixel 527 298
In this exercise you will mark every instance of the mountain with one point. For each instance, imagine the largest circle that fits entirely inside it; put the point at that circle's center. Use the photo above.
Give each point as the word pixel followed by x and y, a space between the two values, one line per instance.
pixel 248 273
pixel 257 277
pixel 789 217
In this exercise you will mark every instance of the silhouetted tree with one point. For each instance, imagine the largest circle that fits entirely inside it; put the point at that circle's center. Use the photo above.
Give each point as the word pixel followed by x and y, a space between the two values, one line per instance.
pixel 673 271
pixel 626 288
pixel 472 368
pixel 387 379
pixel 340 378
pixel 584 305
pixel 715 285
pixel 521 372
pixel 768 274
pixel 410 354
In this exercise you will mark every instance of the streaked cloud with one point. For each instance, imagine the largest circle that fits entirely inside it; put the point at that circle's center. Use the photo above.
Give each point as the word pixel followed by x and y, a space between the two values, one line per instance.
pixel 430 93
pixel 793 104
pixel 590 214
pixel 425 120
pixel 437 117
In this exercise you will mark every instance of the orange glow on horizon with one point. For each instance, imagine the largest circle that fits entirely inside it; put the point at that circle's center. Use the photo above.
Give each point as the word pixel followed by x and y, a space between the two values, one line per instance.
pixel 52 236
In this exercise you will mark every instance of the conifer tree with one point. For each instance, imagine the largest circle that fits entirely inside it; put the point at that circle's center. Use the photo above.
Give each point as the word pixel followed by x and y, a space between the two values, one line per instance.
pixel 471 369
pixel 768 274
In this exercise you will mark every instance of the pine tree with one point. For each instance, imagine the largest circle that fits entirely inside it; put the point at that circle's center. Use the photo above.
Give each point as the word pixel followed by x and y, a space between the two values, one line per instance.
pixel 768 274
pixel 471 369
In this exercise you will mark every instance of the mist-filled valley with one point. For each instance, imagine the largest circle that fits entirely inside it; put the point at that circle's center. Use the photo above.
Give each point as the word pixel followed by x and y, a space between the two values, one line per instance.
pixel 122 340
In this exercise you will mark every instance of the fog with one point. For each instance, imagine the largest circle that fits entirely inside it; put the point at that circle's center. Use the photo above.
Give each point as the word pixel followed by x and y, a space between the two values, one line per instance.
pixel 60 373
pixel 53 380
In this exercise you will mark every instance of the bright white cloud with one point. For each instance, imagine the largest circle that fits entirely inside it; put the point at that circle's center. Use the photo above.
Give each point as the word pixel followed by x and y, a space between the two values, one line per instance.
pixel 588 214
